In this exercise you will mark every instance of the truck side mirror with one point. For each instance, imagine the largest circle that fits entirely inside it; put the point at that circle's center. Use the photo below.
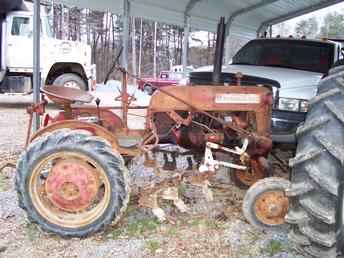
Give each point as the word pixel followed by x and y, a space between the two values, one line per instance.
pixel 342 52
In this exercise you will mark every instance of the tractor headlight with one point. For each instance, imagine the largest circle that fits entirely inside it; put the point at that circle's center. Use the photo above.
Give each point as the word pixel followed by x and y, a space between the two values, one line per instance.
pixel 296 105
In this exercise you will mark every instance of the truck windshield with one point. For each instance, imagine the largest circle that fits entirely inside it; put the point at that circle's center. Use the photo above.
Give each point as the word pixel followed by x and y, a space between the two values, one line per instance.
pixel 295 54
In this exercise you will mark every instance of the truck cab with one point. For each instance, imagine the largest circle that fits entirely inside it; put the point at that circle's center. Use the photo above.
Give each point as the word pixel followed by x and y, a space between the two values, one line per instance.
pixel 296 64
pixel 63 62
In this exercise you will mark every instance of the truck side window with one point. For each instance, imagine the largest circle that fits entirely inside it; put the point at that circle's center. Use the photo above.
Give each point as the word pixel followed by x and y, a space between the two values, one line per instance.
pixel 20 26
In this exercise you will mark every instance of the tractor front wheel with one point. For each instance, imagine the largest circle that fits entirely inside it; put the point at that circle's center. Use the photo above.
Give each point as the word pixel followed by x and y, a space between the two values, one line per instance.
pixel 72 184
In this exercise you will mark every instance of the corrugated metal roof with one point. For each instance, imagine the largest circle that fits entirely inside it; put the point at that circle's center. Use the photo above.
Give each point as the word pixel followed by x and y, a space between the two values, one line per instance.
pixel 248 15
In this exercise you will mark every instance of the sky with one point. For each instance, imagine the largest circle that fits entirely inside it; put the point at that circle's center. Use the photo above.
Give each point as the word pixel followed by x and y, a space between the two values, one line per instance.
pixel 320 14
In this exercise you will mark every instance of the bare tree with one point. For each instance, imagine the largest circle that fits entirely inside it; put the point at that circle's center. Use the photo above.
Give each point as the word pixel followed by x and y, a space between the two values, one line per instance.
pixel 140 47
pixel 133 47
pixel 154 55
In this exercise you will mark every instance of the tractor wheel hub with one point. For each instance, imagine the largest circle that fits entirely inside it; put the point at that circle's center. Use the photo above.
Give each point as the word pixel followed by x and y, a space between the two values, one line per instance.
pixel 271 207
pixel 72 185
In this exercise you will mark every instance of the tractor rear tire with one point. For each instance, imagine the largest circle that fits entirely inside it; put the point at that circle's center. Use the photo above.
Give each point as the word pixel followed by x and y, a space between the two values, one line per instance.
pixel 317 169
pixel 106 177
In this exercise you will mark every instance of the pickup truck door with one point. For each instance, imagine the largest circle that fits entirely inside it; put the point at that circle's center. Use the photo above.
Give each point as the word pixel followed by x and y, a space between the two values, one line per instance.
pixel 19 49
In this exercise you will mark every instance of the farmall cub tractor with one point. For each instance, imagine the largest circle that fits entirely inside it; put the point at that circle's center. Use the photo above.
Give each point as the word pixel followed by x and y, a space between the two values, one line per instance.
pixel 72 178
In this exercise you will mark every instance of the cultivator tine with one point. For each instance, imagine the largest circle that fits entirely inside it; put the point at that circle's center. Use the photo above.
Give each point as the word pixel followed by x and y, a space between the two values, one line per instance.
pixel 149 162
pixel 207 192
pixel 171 193
pixel 151 201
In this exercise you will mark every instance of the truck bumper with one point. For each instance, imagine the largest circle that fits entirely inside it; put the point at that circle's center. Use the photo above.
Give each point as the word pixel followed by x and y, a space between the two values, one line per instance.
pixel 284 125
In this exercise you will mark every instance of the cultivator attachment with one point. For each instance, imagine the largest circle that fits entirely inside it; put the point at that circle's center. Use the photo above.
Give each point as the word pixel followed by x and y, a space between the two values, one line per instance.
pixel 168 188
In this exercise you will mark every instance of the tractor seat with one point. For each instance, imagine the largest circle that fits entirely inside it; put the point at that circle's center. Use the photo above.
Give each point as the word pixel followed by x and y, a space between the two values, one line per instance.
pixel 65 95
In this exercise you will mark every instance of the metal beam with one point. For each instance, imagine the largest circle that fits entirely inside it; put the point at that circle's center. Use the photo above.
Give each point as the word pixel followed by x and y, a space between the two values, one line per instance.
pixel 125 33
pixel 296 13
pixel 191 4
pixel 247 9
pixel 236 14
pixel 36 62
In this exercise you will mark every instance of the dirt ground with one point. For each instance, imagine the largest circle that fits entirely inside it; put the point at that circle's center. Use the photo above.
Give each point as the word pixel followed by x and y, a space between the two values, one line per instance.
pixel 211 229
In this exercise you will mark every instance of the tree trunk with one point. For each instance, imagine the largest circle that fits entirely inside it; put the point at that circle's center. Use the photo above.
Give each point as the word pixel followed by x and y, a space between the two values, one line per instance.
pixel 155 52
pixel 140 47
pixel 133 48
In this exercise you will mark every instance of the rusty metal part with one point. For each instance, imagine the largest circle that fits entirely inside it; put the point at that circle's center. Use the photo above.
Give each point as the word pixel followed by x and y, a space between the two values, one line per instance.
pixel 215 137
pixel 108 120
pixel 271 208
pixel 201 99
pixel 239 77
pixel 248 177
pixel 178 119
pixel 168 189
pixel 94 129
pixel 151 141
pixel 69 200
pixel 72 185
pixel 66 96
pixel 39 109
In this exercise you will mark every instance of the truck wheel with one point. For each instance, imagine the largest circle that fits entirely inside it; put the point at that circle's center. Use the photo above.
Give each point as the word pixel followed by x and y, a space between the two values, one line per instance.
pixel 148 89
pixel 72 184
pixel 70 80
pixel 265 204
pixel 317 169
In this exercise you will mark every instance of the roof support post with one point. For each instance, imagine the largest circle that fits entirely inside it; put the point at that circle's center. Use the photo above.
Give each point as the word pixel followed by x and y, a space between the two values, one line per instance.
pixel 185 43
pixel 125 34
pixel 237 13
pixel 36 62
pixel 296 13
pixel 191 4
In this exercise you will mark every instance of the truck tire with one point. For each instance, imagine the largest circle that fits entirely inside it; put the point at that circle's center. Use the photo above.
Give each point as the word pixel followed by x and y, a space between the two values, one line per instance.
pixel 70 80
pixel 72 184
pixel 148 89
pixel 316 171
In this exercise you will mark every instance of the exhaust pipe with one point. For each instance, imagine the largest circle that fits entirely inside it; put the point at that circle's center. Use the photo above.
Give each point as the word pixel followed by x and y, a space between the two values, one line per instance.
pixel 220 42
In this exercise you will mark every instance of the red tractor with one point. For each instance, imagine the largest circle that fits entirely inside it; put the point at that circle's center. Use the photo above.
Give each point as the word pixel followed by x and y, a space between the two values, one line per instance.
pixel 72 178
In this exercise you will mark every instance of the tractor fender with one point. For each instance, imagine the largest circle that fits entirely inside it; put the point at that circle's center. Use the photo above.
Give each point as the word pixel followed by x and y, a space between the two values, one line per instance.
pixel 94 129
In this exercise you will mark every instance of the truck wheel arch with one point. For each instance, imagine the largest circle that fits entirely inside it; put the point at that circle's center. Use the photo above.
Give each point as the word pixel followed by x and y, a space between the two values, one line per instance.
pixel 61 68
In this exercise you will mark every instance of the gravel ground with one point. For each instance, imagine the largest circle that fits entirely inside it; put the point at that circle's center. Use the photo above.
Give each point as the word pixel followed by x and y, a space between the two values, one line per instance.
pixel 213 229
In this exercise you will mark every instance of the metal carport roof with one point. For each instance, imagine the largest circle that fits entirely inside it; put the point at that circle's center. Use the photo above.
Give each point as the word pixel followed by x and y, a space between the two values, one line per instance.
pixel 246 16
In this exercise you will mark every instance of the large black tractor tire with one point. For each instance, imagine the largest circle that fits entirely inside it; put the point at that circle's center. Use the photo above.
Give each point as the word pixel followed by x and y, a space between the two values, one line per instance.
pixel 70 80
pixel 317 169
pixel 92 149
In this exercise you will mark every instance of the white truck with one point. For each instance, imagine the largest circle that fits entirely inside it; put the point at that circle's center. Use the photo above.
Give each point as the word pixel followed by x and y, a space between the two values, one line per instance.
pixel 296 65
pixel 65 63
